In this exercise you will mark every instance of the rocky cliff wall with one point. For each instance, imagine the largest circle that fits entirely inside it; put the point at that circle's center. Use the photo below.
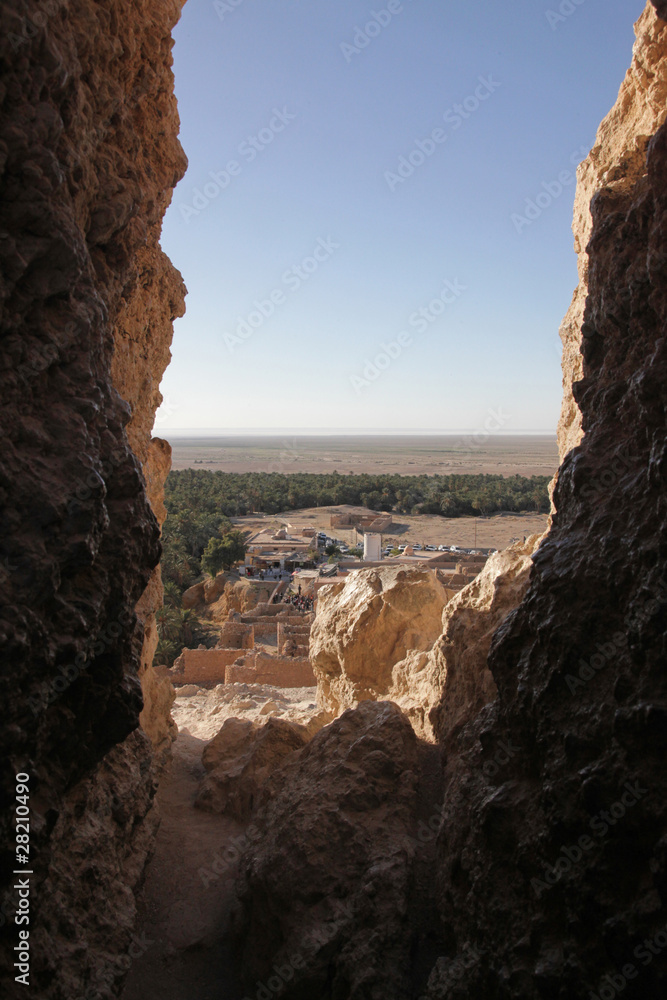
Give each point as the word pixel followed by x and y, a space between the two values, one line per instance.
pixel 553 861
pixel 88 159
pixel 547 877
pixel 618 157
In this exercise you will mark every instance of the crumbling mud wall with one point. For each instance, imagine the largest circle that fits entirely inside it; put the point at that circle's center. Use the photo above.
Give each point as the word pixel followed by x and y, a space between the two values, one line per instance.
pixel 548 823
pixel 89 156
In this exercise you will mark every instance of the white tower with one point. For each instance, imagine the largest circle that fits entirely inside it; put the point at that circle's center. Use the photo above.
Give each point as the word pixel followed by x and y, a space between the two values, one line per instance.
pixel 372 547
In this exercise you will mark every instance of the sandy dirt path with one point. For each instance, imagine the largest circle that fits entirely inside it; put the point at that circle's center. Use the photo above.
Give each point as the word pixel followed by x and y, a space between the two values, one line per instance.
pixel 181 919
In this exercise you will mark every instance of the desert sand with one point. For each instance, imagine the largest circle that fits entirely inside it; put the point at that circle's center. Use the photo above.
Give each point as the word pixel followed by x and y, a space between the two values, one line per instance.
pixel 406 455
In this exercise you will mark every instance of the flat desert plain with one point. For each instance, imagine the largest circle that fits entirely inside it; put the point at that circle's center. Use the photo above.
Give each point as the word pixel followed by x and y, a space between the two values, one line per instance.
pixel 426 529
pixel 405 455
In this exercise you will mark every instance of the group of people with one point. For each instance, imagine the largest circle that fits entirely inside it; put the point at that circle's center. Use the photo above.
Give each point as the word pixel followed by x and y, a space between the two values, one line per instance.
pixel 299 601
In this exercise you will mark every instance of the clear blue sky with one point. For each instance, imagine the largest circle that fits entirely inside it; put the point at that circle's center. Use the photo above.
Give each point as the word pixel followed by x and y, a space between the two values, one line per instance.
pixel 314 123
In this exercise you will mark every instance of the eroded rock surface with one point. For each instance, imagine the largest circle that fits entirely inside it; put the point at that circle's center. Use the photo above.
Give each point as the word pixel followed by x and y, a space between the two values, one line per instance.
pixel 617 158
pixel 325 889
pixel 580 665
pixel 88 159
pixel 217 597
pixel 456 670
pixel 367 626
pixel 239 761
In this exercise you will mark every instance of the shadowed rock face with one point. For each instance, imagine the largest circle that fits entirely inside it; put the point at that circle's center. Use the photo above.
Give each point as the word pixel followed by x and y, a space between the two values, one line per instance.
pixel 580 665
pixel 333 863
pixel 550 869
pixel 88 159
pixel 240 760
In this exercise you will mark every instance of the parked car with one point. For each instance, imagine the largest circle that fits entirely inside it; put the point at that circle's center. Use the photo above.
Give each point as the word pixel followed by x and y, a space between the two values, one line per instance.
pixel 431 548
pixel 417 548
pixel 443 548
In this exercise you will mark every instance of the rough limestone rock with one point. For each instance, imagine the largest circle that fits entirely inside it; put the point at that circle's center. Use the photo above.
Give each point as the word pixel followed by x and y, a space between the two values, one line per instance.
pixel 194 596
pixel 88 159
pixel 617 157
pixel 367 625
pixel 324 890
pixel 235 595
pixel 557 900
pixel 156 688
pixel 239 761
pixel 225 593
pixel 457 670
pixel 99 844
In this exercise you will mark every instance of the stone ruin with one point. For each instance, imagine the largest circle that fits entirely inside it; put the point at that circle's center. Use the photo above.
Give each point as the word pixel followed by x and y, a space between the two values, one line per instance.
pixel 237 659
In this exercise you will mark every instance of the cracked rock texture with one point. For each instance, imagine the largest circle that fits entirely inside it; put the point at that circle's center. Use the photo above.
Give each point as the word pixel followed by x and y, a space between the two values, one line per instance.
pixel 239 761
pixel 88 158
pixel 580 664
pixel 549 872
pixel 370 638
pixel 227 592
pixel 617 157
pixel 325 890
pixel 457 667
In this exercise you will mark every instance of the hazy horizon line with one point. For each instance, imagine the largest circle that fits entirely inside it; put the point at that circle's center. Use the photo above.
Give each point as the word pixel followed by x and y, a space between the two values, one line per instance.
pixel 335 432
